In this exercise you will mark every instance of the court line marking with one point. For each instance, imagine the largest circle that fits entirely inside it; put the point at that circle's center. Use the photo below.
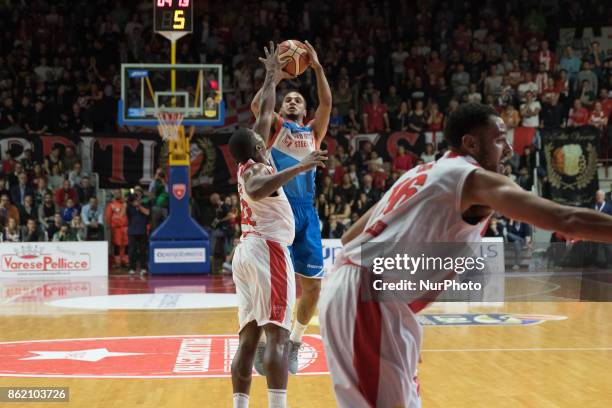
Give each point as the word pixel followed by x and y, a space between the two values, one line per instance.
pixel 519 349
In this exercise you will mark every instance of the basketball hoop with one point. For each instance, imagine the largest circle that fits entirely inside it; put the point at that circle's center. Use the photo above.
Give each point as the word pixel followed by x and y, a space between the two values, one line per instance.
pixel 169 124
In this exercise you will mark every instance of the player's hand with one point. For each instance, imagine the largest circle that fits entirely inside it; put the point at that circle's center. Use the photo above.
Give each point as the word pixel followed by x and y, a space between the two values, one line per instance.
pixel 314 159
pixel 272 61
pixel 314 58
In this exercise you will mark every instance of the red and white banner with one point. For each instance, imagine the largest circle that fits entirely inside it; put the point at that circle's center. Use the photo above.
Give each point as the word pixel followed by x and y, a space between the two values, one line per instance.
pixel 53 259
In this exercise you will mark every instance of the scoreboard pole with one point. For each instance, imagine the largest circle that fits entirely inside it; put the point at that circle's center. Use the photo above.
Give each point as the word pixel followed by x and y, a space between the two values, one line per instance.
pixel 172 71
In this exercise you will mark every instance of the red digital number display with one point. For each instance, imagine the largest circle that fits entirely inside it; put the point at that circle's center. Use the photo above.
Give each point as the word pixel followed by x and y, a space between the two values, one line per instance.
pixel 168 3
pixel 173 15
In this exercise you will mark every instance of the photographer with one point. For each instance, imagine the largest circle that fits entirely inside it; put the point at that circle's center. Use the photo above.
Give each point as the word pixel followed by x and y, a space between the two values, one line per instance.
pixel 137 215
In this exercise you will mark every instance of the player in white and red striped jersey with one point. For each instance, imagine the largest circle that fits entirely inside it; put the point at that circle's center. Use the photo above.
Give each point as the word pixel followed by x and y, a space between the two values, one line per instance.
pixel 372 347
pixel 262 267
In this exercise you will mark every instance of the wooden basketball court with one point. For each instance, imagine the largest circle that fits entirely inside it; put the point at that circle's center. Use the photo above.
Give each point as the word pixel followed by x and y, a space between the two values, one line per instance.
pixel 517 362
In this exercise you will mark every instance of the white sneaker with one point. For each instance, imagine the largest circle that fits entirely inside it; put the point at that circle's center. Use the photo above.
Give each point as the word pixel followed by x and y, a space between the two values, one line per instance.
pixel 132 272
pixel 143 272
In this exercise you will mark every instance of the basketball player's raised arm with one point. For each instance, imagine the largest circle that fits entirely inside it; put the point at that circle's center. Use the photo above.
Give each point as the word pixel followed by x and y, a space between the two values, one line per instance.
pixel 321 119
pixel 268 92
pixel 278 77
pixel 260 183
pixel 498 192
pixel 357 228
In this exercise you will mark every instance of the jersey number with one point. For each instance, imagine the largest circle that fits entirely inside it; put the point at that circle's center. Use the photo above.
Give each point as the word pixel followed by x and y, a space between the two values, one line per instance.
pixel 403 192
pixel 246 213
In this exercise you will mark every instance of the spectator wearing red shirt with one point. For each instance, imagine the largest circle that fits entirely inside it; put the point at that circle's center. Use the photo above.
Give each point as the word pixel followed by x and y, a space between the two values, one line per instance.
pixel 403 161
pixel 606 103
pixel 598 117
pixel 375 118
pixel 578 115
pixel 65 193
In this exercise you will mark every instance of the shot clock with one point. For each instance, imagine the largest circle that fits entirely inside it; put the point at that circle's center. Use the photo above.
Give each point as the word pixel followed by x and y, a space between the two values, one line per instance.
pixel 173 16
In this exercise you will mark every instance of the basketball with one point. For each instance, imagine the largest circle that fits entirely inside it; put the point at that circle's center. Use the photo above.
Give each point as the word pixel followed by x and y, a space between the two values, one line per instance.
pixel 297 54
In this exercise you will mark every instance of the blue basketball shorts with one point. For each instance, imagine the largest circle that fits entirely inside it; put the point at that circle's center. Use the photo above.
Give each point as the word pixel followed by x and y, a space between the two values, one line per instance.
pixel 307 249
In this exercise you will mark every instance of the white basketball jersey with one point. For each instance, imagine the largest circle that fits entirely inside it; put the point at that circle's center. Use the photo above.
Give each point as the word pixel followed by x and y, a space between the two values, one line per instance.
pixel 424 205
pixel 269 218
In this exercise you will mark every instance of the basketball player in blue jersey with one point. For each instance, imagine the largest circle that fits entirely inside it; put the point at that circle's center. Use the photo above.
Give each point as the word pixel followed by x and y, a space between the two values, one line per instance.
pixel 291 141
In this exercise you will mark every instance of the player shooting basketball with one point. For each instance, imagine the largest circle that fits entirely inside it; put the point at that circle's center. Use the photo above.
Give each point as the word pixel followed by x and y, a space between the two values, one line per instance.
pixel 372 348
pixel 291 141
pixel 262 268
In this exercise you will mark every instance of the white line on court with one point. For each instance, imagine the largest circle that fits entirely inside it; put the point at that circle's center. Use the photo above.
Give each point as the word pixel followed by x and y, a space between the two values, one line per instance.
pixel 518 349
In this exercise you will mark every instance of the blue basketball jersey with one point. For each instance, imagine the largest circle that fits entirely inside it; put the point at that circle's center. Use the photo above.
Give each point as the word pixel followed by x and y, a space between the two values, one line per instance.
pixel 289 145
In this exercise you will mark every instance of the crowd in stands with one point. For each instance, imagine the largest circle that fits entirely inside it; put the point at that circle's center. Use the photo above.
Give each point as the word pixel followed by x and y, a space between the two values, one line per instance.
pixel 393 66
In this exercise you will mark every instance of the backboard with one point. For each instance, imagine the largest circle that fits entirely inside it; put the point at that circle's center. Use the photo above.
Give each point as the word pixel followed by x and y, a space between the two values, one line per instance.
pixel 147 88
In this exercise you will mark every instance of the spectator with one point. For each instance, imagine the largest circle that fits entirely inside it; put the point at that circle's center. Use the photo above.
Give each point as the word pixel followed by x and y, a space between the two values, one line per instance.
pixel 375 117
pixel 527 86
pixel 64 234
pixel 68 211
pixel 78 228
pixel 55 226
pixel 41 190
pixel 416 119
pixel 3 186
pixel 578 115
pixel 552 113
pixel 21 190
pixel 221 228
pixel 56 179
pixel 47 211
pixel 38 122
pixel 336 229
pixel 570 63
pixel 530 111
pixel 429 155
pixel 7 210
pixel 12 232
pixel 70 159
pixel 137 215
pixel 586 74
pixel 460 81
pixel 403 161
pixel 85 190
pixel 495 229
pixel 587 96
pixel 76 174
pixel 399 121
pixel 27 211
pixel 340 210
pixel 53 159
pixel 347 190
pixel 93 219
pixel 32 233
pixel 598 117
pixel 62 195
pixel 372 193
pixel 519 234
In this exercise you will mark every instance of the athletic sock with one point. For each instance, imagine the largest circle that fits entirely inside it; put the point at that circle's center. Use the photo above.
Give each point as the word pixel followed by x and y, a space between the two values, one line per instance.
pixel 241 400
pixel 277 398
pixel 297 332
pixel 262 338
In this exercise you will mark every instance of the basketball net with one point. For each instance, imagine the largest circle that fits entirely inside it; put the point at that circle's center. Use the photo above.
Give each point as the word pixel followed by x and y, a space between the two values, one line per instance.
pixel 169 124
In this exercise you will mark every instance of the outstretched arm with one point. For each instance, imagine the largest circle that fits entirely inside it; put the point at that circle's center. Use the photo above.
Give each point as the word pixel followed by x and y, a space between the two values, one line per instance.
pixel 268 92
pixel 506 197
pixel 259 183
pixel 321 119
